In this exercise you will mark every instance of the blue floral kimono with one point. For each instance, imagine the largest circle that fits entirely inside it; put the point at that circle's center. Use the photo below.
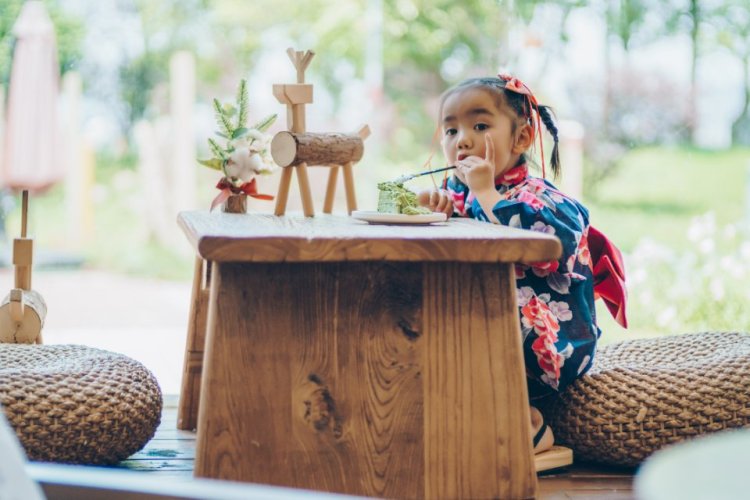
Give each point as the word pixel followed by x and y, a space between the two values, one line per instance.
pixel 556 298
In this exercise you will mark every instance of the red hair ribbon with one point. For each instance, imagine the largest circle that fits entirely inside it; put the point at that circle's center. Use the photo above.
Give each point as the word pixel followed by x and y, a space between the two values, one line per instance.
pixel 228 189
pixel 515 85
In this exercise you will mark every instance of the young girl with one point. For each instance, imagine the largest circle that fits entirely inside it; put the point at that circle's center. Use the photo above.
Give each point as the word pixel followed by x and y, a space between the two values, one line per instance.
pixel 488 124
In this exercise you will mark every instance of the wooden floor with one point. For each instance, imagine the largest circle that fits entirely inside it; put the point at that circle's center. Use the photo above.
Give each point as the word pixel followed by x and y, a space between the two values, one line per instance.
pixel 171 453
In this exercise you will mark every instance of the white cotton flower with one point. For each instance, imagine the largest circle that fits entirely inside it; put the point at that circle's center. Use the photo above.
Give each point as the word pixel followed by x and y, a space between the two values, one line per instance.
pixel 244 164
pixel 256 135
pixel 232 169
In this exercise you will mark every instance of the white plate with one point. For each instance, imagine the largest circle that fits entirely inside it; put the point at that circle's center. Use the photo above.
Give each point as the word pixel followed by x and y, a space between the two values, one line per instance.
pixel 374 217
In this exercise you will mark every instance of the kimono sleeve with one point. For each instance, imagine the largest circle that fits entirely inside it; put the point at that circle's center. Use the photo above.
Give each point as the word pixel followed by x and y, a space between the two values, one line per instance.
pixel 561 218
pixel 460 195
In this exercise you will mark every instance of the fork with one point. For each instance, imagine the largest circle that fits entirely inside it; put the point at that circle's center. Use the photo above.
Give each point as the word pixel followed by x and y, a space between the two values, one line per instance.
pixel 404 178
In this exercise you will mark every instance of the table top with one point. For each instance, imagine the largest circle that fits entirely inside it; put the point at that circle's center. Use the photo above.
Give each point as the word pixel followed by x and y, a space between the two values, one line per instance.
pixel 255 237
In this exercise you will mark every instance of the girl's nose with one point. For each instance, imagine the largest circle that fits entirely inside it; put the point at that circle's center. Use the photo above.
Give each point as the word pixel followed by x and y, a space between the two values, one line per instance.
pixel 464 141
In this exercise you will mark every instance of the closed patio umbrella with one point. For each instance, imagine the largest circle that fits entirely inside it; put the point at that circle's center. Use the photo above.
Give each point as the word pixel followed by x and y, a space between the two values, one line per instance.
pixel 30 154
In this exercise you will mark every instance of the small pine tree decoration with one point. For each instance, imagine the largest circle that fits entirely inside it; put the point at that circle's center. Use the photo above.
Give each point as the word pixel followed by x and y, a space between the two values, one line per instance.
pixel 245 153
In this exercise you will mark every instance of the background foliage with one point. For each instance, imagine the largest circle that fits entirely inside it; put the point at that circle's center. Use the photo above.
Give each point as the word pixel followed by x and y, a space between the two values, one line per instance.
pixel 648 184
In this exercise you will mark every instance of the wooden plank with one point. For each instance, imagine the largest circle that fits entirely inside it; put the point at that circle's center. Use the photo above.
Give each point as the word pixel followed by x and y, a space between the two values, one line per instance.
pixel 477 436
pixel 248 416
pixel 584 480
pixel 166 449
pixel 325 372
pixel 335 238
pixel 379 346
pixel 156 465
pixel 168 430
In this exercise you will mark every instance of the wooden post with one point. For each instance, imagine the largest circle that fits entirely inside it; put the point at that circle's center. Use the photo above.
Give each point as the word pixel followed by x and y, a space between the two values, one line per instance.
pixel 571 156
pixel 23 310
pixel 23 249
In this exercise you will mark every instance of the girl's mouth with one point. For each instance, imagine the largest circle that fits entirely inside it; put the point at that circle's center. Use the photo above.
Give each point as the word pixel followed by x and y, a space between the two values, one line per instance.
pixel 462 156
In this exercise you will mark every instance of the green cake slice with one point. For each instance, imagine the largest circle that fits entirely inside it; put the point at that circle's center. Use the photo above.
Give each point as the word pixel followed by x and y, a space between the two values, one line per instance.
pixel 394 198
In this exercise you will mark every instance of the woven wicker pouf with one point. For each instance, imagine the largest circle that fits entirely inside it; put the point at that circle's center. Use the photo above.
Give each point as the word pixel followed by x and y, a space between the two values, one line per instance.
pixel 642 395
pixel 78 405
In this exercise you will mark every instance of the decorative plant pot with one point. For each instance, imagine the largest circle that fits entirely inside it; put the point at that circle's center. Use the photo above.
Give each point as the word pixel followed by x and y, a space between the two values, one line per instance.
pixel 235 204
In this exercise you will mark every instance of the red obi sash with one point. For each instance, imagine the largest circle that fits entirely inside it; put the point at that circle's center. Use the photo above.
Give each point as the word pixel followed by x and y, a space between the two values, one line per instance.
pixel 609 274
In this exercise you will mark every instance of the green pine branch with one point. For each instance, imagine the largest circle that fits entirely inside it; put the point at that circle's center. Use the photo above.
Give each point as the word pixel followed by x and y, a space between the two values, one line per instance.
pixel 242 104
pixel 216 149
pixel 222 120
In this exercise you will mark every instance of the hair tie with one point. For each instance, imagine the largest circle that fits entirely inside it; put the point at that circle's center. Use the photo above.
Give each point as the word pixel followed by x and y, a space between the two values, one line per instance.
pixel 513 84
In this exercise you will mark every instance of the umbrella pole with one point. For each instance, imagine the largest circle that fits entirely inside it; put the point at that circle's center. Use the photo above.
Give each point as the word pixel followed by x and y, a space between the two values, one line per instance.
pixel 23 310
pixel 23 248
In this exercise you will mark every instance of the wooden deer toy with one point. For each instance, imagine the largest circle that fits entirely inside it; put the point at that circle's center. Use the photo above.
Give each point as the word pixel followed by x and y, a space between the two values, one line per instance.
pixel 23 310
pixel 297 149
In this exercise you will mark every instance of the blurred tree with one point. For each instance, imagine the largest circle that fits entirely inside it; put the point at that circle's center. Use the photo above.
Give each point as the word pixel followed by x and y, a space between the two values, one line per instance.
pixel 688 17
pixel 427 45
pixel 166 27
pixel 329 27
pixel 68 31
pixel 430 45
pixel 731 20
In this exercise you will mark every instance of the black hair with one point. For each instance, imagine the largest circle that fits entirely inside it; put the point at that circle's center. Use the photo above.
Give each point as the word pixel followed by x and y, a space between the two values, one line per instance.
pixel 519 103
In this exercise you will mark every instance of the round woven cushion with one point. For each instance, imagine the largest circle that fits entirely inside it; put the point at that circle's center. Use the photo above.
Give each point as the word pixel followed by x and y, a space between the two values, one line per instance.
pixel 74 404
pixel 641 395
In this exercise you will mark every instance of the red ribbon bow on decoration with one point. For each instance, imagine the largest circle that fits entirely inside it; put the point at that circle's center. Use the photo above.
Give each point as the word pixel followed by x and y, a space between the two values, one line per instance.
pixel 515 85
pixel 228 189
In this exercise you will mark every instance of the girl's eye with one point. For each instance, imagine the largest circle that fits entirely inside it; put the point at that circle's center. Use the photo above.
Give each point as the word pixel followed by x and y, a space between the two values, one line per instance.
pixel 450 131
pixel 481 126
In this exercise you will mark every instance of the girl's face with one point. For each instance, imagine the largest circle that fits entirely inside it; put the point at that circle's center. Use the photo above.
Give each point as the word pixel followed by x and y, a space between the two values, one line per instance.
pixel 467 116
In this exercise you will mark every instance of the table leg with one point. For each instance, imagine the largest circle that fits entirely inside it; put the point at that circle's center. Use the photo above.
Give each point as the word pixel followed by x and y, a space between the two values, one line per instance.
pixel 477 440
pixel 187 412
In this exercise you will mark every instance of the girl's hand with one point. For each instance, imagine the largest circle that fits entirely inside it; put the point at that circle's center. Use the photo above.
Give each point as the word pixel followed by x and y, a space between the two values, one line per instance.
pixel 437 200
pixel 479 173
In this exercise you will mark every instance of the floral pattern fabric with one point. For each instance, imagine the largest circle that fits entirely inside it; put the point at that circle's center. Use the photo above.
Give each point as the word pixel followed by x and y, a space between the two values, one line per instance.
pixel 555 298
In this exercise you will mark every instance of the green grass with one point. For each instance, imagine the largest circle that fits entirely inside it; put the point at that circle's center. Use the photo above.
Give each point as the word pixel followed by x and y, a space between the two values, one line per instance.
pixel 657 191
pixel 655 195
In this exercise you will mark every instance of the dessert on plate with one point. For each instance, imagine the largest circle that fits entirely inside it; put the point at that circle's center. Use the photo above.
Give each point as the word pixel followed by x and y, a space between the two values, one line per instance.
pixel 394 198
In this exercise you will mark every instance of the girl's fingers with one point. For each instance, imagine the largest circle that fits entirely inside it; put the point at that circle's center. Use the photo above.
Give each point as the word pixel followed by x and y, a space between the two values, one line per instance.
pixel 423 198
pixel 434 199
pixel 441 204
pixel 489 151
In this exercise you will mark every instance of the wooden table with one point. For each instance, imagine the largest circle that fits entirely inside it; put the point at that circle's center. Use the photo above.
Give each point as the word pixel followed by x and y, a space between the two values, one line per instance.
pixel 365 359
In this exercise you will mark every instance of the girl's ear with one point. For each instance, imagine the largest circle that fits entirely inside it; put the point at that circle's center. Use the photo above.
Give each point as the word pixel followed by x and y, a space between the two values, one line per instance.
pixel 524 138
